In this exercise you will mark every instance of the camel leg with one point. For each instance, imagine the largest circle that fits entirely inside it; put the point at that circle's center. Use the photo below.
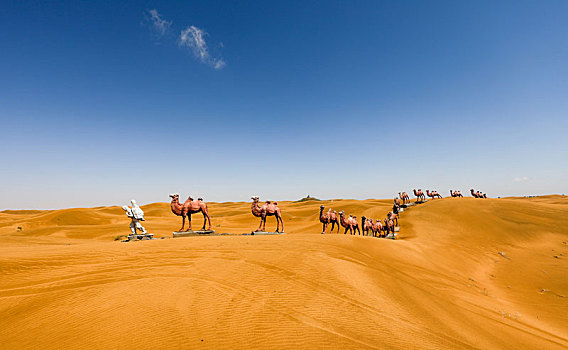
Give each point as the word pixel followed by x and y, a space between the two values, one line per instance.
pixel 346 231
pixel 281 222
pixel 277 223
pixel 324 227
pixel 264 223
pixel 182 223
pixel 204 220
pixel 189 222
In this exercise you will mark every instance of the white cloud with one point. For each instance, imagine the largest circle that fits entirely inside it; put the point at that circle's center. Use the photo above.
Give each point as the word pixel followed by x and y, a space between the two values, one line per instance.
pixel 194 39
pixel 520 179
pixel 159 24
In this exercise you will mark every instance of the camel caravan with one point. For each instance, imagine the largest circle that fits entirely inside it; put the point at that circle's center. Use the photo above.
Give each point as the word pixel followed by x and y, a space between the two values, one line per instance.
pixel 477 194
pixel 369 227
pixel 381 228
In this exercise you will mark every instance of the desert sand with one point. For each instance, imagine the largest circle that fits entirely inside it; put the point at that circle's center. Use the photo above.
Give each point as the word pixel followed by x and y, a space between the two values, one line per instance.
pixel 464 273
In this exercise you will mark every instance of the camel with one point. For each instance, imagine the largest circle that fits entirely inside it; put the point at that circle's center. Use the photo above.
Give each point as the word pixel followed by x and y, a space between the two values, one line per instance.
pixel 324 219
pixel 419 195
pixel 389 226
pixel 378 228
pixel 350 223
pixel 189 207
pixel 477 194
pixel 405 198
pixel 366 226
pixel 456 193
pixel 397 201
pixel 433 194
pixel 268 209
pixel 334 219
pixel 327 218
pixel 392 216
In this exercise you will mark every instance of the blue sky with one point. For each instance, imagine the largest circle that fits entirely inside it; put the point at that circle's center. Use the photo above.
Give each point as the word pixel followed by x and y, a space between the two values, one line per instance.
pixel 101 102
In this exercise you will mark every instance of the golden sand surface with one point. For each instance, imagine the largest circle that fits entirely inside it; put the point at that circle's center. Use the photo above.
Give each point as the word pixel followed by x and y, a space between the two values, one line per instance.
pixel 464 273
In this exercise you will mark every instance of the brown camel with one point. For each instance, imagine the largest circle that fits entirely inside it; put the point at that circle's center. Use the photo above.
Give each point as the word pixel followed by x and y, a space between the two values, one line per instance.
pixel 456 193
pixel 433 194
pixel 327 218
pixel 392 216
pixel 268 209
pixel 324 219
pixel 405 198
pixel 333 219
pixel 389 226
pixel 366 226
pixel 477 194
pixel 189 207
pixel 378 228
pixel 419 195
pixel 350 223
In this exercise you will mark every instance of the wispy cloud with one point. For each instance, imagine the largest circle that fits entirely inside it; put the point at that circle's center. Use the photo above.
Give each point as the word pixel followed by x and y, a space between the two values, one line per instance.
pixel 193 38
pixel 520 179
pixel 157 22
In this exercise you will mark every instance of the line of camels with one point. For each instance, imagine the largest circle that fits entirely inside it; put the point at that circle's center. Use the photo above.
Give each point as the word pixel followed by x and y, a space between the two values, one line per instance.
pixel 420 196
pixel 376 228
pixel 369 227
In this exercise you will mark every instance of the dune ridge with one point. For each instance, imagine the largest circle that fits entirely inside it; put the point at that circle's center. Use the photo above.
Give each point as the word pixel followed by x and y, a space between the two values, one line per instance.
pixel 465 273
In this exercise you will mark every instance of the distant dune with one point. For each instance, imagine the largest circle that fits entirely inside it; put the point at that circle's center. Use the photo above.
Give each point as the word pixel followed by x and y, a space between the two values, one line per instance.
pixel 465 273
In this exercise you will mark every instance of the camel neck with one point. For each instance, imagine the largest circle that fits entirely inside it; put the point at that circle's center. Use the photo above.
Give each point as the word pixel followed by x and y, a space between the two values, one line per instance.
pixel 255 208
pixel 175 206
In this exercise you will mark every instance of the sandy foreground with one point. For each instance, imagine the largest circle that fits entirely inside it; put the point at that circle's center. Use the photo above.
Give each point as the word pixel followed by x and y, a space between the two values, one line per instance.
pixel 465 273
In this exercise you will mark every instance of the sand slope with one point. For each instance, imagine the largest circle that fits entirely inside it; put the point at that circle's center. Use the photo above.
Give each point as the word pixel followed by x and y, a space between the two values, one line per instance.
pixel 466 273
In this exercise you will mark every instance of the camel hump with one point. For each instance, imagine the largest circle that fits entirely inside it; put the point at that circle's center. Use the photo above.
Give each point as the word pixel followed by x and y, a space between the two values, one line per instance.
pixel 200 199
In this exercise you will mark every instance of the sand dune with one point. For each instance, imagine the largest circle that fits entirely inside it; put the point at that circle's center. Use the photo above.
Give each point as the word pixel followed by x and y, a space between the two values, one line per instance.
pixel 465 273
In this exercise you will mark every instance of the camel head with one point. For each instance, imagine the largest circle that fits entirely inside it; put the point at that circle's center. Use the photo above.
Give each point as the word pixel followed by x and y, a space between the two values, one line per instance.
pixel 254 199
pixel 342 213
pixel 174 197
pixel 322 206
